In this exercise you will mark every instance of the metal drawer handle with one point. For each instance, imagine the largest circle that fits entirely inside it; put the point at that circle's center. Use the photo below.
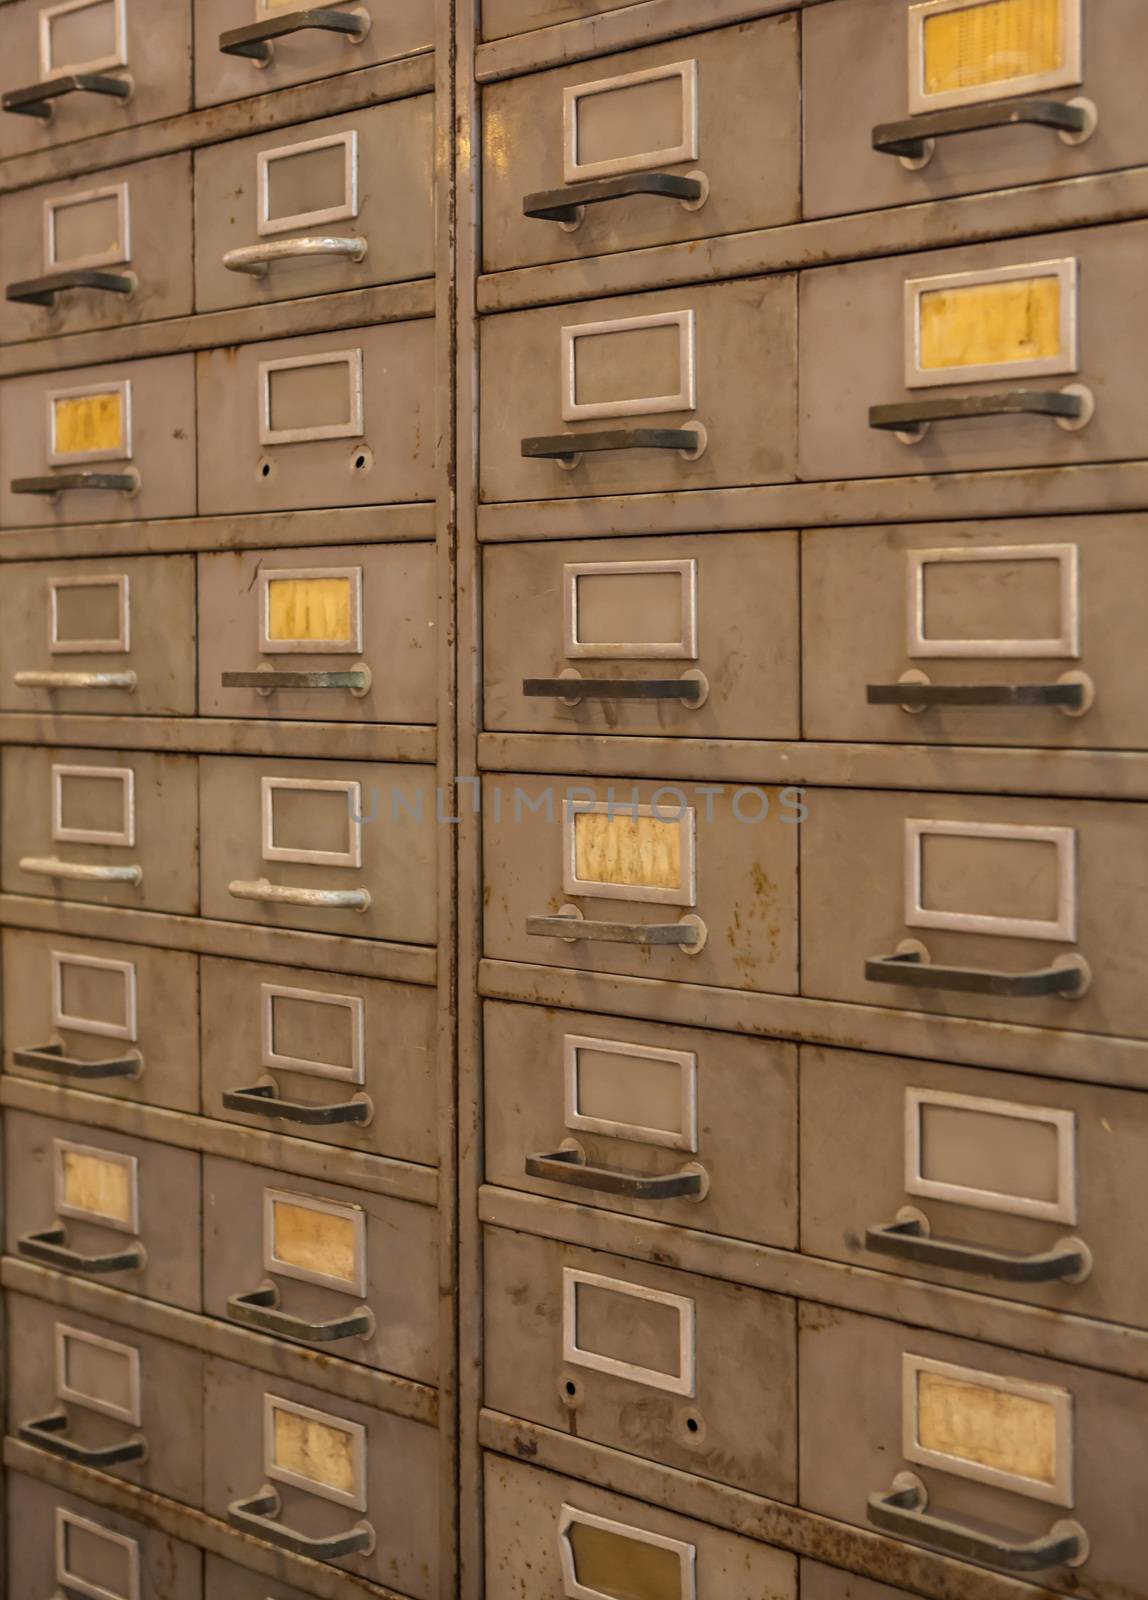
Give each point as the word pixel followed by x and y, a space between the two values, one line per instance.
pixel 571 1166
pixel 691 689
pixel 689 934
pixel 262 1100
pixel 1073 120
pixel 43 291
pixel 51 1434
pixel 282 894
pixel 256 258
pixel 36 99
pixel 1071 693
pixel 1070 407
pixel 51 1058
pixel 50 1249
pixel 55 483
pixel 908 1239
pixel 565 205
pixel 264 679
pixel 76 680
pixel 568 448
pixel 254 41
pixel 258 1515
pixel 260 1309
pixel 1068 976
pixel 901 1510
pixel 79 871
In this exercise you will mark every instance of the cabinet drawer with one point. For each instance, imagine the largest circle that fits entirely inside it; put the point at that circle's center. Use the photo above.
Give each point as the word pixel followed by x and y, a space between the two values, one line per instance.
pixel 695 1374
pixel 503 17
pixel 358 1050
pixel 367 611
pixel 101 251
pixel 316 1475
pixel 101 1395
pixel 999 1172
pixel 102 636
pixel 1027 894
pixel 819 1582
pixel 987 341
pixel 1043 612
pixel 332 205
pixel 324 845
pixel 1017 1454
pixel 224 1580
pixel 697 883
pixel 715 616
pixel 116 1210
pixel 109 1019
pixel 591 140
pixel 647 381
pixel 558 1537
pixel 710 1116
pixel 894 71
pixel 99 444
pixel 300 55
pixel 328 1255
pixel 143 72
pixel 100 826
pixel 329 420
pixel 58 1543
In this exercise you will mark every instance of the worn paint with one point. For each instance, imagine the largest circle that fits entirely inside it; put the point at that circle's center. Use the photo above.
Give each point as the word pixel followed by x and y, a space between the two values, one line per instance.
pixel 990 43
pixel 987 323
pixel 989 1427
pixel 642 852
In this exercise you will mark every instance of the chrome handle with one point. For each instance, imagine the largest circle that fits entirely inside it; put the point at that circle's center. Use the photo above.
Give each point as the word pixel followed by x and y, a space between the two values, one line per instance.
pixel 254 41
pixel 51 1058
pixel 76 680
pixel 571 1167
pixel 262 1100
pixel 80 871
pixel 1072 695
pixel 913 140
pixel 260 1309
pixel 263 680
pixel 691 691
pixel 568 447
pixel 284 895
pixel 36 99
pixel 56 483
pixel 908 1239
pixel 51 1434
pixel 1071 407
pixel 688 933
pixel 50 1248
pixel 565 205
pixel 43 291
pixel 901 1510
pixel 256 258
pixel 258 1515
pixel 1069 976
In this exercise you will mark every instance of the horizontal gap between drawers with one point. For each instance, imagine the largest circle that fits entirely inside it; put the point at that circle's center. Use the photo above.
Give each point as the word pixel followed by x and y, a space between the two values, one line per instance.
pixel 332 741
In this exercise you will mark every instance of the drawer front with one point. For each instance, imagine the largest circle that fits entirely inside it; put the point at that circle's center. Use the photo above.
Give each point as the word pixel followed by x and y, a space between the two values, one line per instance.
pixel 384 32
pixel 97 825
pixel 324 845
pixel 993 1163
pixel 641 1359
pixel 331 1255
pixel 101 251
pixel 223 1580
pixel 363 610
pixel 109 1019
pixel 329 420
pixel 310 1464
pixel 900 67
pixel 1040 611
pixel 656 612
pixel 600 1110
pixel 503 17
pixel 99 444
pixel 116 1210
pixel 961 334
pixel 101 636
pixel 100 1395
pixel 115 40
pixel 634 369
pixel 1006 1445
pixel 58 1543
pixel 559 1537
pixel 1016 888
pixel 357 1048
pixel 690 108
pixel 364 183
pixel 819 1582
pixel 697 883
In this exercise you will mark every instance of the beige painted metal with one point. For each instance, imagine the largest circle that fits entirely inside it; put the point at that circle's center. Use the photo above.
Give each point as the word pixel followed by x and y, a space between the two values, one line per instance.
pixel 819 1582
pixel 224 1580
